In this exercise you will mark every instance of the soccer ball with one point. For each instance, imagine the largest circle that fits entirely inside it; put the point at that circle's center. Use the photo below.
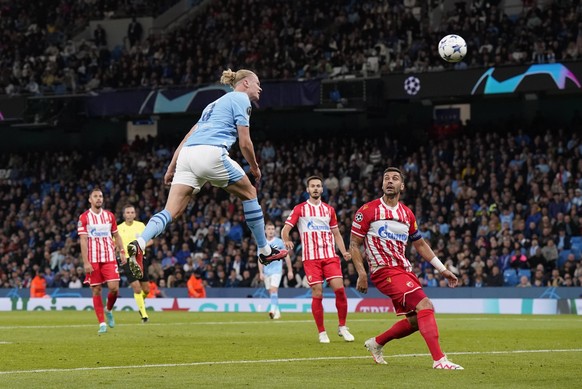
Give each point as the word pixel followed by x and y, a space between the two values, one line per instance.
pixel 452 48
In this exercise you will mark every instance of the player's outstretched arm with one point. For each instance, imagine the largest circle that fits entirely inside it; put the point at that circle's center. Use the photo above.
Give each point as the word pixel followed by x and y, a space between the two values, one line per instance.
pixel 339 241
pixel 358 260
pixel 285 236
pixel 426 252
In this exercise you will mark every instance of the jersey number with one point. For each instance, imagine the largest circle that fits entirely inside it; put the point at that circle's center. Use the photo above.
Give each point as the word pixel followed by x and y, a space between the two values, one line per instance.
pixel 206 115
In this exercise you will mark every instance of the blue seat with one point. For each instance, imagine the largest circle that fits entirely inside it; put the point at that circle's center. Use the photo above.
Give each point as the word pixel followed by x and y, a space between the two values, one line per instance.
pixel 524 272
pixel 563 257
pixel 510 277
pixel 576 240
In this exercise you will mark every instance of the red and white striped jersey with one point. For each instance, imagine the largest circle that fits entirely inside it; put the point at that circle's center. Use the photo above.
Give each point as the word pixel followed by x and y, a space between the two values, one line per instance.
pixel 99 228
pixel 385 231
pixel 315 223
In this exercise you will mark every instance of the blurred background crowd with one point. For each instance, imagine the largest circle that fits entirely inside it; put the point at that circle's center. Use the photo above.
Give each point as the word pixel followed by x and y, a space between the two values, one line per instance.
pixel 281 39
pixel 501 206
pixel 496 207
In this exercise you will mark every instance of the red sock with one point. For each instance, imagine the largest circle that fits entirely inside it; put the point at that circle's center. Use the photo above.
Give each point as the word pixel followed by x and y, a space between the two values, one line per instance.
pixel 111 299
pixel 317 311
pixel 98 305
pixel 341 303
pixel 430 332
pixel 400 329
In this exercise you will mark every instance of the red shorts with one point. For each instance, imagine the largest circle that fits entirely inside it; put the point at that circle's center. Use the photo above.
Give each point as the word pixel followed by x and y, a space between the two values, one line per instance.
pixel 401 286
pixel 102 272
pixel 318 270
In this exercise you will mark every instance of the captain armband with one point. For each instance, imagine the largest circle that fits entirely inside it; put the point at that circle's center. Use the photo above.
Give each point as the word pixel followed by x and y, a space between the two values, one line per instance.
pixel 437 264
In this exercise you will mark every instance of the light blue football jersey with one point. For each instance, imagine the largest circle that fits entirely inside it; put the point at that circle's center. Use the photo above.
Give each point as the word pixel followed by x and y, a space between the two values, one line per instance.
pixel 217 124
pixel 274 267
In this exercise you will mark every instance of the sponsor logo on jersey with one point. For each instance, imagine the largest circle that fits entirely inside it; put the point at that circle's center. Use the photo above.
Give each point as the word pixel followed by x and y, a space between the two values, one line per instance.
pixel 314 227
pixel 384 232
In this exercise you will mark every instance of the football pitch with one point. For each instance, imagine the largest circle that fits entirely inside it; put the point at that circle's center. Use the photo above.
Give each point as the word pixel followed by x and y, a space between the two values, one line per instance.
pixel 61 349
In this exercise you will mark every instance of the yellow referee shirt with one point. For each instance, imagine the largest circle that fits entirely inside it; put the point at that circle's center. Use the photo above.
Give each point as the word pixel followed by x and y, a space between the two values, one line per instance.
pixel 130 233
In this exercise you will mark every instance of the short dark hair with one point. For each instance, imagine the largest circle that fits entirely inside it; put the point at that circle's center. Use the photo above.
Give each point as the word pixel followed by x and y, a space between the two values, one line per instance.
pixel 311 178
pixel 128 205
pixel 395 170
pixel 95 189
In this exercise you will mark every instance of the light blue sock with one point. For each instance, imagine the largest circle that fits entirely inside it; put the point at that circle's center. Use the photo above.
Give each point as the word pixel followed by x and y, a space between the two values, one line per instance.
pixel 156 225
pixel 274 301
pixel 255 220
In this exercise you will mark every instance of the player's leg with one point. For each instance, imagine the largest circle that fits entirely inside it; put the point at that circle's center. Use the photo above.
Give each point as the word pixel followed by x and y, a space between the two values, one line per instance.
pixel 96 291
pixel 429 330
pixel 113 287
pixel 139 299
pixel 178 199
pixel 341 304
pixel 314 272
pixel 317 310
pixel 239 185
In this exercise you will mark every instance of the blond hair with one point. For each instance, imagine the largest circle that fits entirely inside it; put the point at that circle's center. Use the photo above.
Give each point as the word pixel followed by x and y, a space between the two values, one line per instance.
pixel 232 78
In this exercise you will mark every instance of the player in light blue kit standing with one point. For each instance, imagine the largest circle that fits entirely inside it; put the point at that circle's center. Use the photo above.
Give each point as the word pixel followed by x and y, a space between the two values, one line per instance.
pixel 202 157
pixel 272 272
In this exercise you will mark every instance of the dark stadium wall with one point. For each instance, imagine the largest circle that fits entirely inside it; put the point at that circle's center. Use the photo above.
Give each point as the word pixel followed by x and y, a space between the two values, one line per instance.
pixel 408 121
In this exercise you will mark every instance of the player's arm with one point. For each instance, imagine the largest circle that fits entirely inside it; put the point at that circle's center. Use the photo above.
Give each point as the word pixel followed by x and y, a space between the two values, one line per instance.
pixel 289 267
pixel 285 236
pixel 84 241
pixel 358 261
pixel 172 167
pixel 248 150
pixel 339 241
pixel 424 250
pixel 120 248
pixel 261 269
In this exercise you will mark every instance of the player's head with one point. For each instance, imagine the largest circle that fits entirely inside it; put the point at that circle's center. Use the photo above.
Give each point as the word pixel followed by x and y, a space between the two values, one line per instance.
pixel 393 182
pixel 243 81
pixel 269 230
pixel 314 186
pixel 96 198
pixel 128 213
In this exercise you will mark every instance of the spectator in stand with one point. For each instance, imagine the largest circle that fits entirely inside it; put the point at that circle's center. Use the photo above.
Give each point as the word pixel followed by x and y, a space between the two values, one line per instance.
pixel 38 286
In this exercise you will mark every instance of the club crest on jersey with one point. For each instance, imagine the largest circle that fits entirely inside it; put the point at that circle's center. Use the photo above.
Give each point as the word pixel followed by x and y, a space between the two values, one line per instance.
pixel 409 284
pixel 389 280
pixel 359 217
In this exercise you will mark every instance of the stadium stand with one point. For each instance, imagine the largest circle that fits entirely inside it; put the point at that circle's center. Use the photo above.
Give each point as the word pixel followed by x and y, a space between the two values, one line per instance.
pixel 482 198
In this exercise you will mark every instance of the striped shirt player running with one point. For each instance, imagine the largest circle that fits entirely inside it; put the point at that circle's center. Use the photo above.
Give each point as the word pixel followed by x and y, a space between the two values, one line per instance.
pixel 384 227
pixel 202 157
pixel 317 225
pixel 97 228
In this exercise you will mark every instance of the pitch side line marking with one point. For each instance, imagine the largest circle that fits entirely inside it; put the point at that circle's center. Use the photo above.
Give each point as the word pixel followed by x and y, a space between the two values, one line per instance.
pixel 243 362
pixel 268 322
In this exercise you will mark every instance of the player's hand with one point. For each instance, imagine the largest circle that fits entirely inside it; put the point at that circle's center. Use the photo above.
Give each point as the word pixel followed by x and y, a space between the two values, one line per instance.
pixel 262 277
pixel 122 259
pixel 362 284
pixel 290 275
pixel 289 245
pixel 453 280
pixel 88 268
pixel 168 177
pixel 256 172
pixel 347 255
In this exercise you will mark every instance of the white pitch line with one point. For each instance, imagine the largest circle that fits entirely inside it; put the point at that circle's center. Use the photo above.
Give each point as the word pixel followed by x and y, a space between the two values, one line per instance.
pixel 245 362
pixel 268 322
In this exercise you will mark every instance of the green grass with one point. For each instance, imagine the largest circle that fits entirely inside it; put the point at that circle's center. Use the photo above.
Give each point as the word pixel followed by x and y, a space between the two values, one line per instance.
pixel 180 349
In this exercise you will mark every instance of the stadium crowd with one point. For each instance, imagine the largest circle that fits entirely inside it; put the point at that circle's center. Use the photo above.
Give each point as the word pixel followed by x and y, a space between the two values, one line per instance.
pixel 284 39
pixel 497 207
